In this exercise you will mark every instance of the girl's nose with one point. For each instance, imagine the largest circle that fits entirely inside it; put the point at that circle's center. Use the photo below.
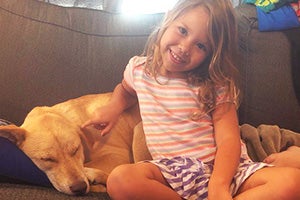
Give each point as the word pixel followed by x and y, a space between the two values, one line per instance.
pixel 184 48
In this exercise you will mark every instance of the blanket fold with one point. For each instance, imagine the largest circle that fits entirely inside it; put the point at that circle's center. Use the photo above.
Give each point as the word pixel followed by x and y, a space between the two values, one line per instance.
pixel 267 139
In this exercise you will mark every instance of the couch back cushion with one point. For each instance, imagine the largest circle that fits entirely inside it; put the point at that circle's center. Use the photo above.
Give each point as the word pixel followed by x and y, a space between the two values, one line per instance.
pixel 50 54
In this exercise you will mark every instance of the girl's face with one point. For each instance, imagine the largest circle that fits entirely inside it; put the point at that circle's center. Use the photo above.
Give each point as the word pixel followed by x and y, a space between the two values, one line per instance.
pixel 184 45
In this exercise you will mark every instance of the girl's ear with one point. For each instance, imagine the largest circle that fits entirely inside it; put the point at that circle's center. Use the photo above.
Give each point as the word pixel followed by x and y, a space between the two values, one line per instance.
pixel 13 133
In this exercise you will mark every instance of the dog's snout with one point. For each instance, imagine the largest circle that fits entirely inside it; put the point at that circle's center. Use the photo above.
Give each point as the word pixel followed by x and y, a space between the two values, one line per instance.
pixel 79 188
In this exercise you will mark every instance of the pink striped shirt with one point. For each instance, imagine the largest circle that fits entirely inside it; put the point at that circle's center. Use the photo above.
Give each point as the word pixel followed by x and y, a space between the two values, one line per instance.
pixel 166 108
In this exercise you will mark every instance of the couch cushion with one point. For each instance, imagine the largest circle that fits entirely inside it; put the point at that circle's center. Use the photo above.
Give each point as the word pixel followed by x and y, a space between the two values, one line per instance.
pixel 50 54
pixel 247 15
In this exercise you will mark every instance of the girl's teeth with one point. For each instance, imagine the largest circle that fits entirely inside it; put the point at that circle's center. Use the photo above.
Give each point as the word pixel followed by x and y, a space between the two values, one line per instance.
pixel 175 57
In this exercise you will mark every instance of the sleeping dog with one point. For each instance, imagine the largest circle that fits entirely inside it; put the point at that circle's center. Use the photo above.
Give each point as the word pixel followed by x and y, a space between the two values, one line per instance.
pixel 74 159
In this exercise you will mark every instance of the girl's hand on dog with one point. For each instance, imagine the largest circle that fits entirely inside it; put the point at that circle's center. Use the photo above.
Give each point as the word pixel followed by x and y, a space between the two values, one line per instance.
pixel 103 119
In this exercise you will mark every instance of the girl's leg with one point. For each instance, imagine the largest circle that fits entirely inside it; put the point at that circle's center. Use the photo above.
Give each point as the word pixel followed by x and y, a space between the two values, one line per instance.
pixel 271 183
pixel 139 181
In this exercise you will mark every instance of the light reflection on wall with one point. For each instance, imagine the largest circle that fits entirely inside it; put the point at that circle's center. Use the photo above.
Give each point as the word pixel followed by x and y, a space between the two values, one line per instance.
pixel 123 6
pixel 146 6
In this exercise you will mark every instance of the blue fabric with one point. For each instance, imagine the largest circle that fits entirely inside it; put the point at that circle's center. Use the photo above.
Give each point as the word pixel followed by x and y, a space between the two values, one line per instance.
pixel 15 164
pixel 269 5
pixel 280 19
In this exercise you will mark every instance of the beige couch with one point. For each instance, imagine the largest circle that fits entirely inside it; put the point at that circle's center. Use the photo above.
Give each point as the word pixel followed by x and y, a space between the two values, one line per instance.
pixel 49 54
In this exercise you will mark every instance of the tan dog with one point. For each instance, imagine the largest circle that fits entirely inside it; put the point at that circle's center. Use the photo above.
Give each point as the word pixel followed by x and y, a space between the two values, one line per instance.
pixel 71 157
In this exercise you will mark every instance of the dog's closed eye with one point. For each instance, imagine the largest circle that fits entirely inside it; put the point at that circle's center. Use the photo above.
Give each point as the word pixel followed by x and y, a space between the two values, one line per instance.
pixel 74 152
pixel 49 159
pixel 45 162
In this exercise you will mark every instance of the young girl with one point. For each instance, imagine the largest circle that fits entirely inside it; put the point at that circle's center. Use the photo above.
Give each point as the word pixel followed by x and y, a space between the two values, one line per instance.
pixel 186 87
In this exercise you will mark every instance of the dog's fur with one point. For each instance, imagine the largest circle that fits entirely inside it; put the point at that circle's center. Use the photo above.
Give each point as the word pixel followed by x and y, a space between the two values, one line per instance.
pixel 72 157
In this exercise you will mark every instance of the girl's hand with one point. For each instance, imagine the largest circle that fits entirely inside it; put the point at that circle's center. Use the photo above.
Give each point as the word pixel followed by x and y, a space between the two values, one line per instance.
pixel 218 194
pixel 217 190
pixel 103 119
pixel 288 158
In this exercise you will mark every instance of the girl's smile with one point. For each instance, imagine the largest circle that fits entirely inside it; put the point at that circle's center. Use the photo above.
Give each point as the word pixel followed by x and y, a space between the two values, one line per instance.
pixel 176 58
pixel 184 44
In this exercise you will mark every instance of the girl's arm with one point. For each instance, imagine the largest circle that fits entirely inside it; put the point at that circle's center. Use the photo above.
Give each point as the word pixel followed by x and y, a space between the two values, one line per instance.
pixel 227 136
pixel 105 117
pixel 123 97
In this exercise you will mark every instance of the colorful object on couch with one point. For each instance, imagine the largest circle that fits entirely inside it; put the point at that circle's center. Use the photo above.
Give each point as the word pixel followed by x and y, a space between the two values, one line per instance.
pixel 296 7
pixel 269 5
pixel 279 19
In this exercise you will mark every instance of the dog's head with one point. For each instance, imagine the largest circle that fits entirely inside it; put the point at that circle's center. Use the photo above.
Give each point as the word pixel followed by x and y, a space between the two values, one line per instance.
pixel 54 145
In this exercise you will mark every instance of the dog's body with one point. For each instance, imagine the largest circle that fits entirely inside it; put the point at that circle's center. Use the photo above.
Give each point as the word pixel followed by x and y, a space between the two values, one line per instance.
pixel 70 156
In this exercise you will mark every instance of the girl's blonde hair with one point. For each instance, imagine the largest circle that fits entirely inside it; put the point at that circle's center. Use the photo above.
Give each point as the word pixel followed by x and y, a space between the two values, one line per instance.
pixel 219 68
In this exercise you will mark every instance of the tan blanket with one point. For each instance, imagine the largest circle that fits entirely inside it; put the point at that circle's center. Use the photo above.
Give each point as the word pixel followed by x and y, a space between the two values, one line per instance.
pixel 267 139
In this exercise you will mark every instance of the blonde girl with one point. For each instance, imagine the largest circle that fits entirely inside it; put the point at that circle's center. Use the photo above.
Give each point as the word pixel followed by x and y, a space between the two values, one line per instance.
pixel 186 87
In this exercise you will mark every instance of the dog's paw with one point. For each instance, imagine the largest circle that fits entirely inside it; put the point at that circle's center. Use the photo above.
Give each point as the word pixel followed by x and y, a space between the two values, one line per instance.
pixel 97 179
pixel 97 188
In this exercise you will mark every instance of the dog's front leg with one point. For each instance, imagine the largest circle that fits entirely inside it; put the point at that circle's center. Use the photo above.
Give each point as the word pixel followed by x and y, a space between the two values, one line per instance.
pixel 97 179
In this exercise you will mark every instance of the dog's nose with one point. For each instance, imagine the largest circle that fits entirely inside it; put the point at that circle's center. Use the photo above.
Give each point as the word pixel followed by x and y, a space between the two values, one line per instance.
pixel 79 188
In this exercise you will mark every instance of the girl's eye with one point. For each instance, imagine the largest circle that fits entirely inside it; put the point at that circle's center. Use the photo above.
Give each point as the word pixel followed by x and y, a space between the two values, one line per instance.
pixel 182 30
pixel 201 46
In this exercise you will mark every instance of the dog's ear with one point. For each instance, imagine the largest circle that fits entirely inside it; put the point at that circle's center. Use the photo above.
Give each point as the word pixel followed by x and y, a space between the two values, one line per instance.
pixel 13 133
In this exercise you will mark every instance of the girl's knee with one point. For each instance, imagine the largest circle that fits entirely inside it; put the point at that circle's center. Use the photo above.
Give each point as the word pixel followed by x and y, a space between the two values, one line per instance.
pixel 289 182
pixel 120 181
pixel 274 183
